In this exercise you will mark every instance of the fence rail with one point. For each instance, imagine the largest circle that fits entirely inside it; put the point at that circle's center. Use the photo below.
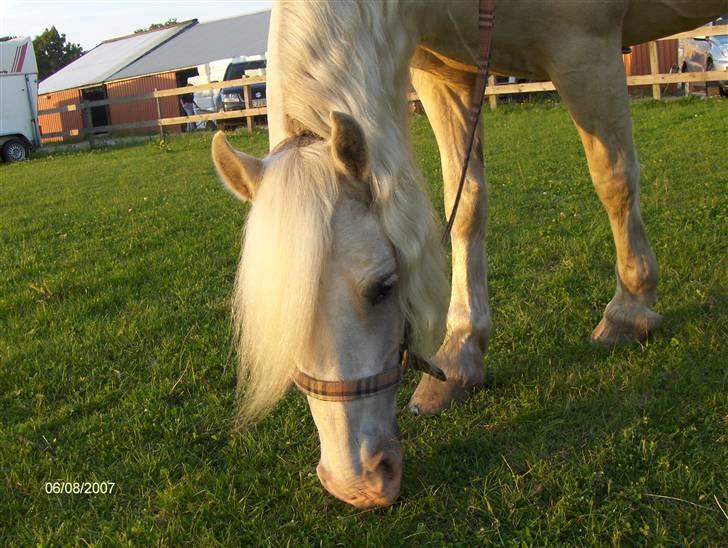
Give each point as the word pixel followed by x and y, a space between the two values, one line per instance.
pixel 655 79
pixel 644 80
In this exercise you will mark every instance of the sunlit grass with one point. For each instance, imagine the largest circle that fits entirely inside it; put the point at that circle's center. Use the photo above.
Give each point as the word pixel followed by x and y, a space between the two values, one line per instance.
pixel 116 268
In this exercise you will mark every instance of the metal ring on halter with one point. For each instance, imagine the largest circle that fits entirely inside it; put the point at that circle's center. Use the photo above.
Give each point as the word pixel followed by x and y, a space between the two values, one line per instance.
pixel 391 378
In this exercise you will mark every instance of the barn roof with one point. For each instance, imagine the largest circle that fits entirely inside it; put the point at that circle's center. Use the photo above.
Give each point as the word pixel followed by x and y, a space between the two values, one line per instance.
pixel 238 36
pixel 99 64
pixel 183 46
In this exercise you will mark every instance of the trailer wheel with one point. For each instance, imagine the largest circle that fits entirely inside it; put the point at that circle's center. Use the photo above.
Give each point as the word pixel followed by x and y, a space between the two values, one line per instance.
pixel 14 151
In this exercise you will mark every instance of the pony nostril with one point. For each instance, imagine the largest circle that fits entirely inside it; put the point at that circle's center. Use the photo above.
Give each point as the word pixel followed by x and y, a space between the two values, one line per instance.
pixel 388 472
pixel 386 469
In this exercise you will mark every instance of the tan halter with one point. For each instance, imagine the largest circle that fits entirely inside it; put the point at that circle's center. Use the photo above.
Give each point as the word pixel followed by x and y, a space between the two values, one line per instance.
pixel 391 378
pixel 368 386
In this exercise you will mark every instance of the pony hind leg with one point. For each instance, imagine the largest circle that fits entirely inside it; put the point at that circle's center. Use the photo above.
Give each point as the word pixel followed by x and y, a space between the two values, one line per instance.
pixel 445 98
pixel 597 99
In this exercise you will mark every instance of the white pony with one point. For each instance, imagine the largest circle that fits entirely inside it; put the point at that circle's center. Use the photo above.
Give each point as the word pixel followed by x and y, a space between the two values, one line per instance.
pixel 341 245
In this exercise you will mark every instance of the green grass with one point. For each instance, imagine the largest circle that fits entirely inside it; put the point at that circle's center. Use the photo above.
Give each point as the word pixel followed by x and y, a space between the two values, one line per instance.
pixel 115 273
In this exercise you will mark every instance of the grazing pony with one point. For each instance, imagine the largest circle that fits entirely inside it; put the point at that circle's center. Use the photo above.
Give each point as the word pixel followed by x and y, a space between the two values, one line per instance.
pixel 341 248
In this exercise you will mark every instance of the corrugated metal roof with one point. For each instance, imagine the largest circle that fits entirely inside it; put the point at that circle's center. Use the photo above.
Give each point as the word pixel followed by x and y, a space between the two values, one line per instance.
pixel 231 37
pixel 109 57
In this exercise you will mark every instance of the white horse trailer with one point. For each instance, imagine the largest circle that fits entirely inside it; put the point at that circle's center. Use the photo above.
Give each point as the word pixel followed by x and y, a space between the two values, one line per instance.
pixel 19 131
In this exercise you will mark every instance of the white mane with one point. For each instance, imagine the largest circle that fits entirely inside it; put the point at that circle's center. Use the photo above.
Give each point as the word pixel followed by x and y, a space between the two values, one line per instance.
pixel 287 238
pixel 350 57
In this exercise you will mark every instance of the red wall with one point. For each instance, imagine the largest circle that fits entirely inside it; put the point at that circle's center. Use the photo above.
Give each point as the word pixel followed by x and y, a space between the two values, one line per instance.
pixel 60 121
pixel 145 109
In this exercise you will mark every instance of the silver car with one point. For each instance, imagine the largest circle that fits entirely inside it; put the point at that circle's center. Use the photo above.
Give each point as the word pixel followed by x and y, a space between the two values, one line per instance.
pixel 705 54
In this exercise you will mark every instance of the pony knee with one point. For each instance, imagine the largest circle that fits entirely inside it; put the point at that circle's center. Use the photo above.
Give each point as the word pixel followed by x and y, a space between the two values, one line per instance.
pixel 617 187
pixel 472 211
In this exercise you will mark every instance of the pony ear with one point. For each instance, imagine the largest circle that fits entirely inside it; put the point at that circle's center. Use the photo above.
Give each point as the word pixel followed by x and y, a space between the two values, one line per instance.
pixel 349 146
pixel 240 173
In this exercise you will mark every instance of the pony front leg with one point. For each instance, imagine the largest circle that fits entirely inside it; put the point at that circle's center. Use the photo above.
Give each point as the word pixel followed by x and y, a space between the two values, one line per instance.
pixel 596 96
pixel 461 354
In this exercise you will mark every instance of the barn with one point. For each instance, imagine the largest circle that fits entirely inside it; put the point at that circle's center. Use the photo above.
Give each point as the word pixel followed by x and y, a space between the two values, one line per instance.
pixel 141 63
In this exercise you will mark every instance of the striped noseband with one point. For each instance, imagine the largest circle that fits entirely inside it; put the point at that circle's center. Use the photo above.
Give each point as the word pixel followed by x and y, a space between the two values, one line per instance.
pixel 368 386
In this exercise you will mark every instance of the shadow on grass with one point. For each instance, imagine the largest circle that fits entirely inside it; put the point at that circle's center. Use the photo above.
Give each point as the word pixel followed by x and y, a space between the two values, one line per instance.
pixel 565 427
pixel 715 305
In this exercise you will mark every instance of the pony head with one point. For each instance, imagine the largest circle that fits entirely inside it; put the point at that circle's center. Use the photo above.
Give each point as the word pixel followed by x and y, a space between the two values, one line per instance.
pixel 326 280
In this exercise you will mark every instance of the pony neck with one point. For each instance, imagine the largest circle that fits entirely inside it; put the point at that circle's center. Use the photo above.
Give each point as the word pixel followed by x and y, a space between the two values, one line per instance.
pixel 358 65
pixel 354 57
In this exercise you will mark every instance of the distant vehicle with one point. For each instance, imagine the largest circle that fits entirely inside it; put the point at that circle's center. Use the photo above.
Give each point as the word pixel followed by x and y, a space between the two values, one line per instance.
pixel 209 73
pixel 705 54
pixel 232 98
pixel 19 133
pixel 203 102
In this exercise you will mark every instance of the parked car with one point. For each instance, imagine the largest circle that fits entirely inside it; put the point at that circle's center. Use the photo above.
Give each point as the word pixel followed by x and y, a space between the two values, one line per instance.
pixel 232 98
pixel 705 54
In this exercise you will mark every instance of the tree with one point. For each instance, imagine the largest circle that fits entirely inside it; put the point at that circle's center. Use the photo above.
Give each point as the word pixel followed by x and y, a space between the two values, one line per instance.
pixel 53 52
pixel 156 26
pixel 6 38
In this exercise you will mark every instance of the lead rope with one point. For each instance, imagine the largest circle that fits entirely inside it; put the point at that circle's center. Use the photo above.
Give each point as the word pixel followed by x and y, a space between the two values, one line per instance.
pixel 486 16
pixel 412 360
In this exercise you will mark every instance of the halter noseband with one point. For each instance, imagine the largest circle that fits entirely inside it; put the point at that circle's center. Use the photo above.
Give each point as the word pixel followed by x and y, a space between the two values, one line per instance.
pixel 368 386
pixel 391 378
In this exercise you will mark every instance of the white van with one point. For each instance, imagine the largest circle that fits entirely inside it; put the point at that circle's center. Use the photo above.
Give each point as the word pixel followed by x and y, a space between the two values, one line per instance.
pixel 18 99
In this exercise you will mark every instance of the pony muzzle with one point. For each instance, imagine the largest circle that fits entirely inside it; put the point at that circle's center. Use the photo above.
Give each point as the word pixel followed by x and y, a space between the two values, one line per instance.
pixel 378 484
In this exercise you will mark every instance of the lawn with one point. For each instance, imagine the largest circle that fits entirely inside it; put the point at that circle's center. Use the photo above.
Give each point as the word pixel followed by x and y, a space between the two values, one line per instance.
pixel 116 362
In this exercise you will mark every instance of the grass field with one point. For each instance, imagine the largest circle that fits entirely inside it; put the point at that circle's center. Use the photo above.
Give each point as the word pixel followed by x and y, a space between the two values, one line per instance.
pixel 116 360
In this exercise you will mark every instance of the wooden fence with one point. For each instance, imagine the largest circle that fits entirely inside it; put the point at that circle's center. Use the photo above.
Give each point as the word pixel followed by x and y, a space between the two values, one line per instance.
pixel 655 79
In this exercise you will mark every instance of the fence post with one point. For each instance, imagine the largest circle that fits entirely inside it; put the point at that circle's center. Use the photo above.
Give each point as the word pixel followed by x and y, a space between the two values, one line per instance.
pixel 493 99
pixel 654 70
pixel 246 94
pixel 159 116
pixel 89 123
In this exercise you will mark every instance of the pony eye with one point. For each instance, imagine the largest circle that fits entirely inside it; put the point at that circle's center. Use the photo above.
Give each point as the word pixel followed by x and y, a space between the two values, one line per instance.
pixel 379 292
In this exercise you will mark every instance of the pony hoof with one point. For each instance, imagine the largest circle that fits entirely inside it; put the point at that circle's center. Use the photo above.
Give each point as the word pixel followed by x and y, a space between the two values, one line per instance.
pixel 433 396
pixel 620 328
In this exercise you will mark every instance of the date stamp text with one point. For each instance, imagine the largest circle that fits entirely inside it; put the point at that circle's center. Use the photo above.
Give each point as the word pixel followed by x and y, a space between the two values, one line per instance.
pixel 79 487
